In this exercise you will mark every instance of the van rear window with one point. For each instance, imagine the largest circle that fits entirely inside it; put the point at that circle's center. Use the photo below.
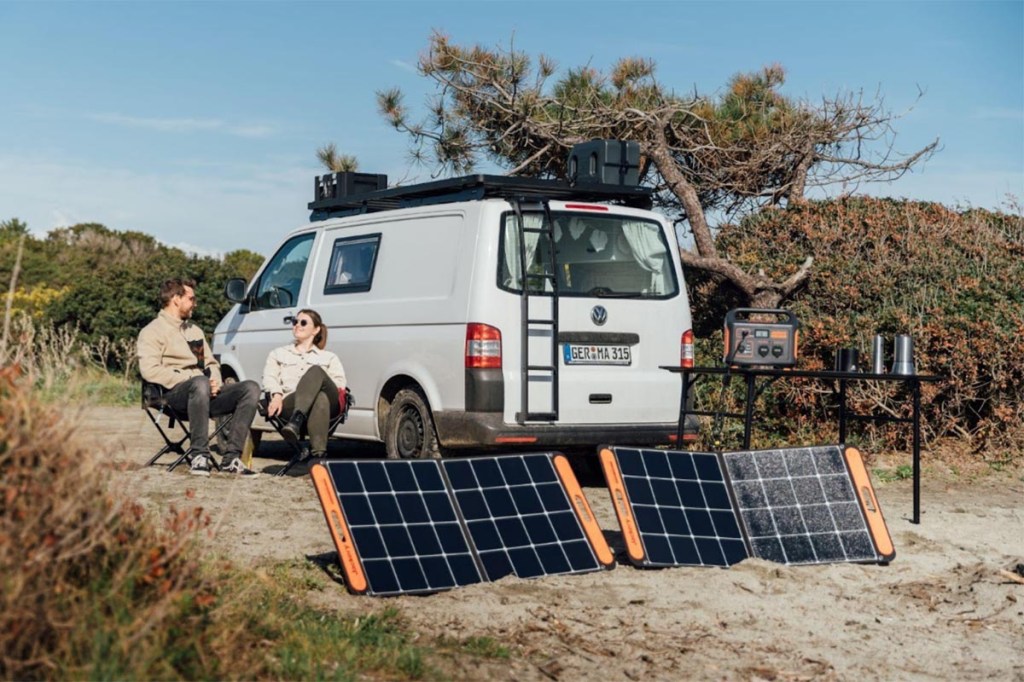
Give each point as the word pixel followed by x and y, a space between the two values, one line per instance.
pixel 606 255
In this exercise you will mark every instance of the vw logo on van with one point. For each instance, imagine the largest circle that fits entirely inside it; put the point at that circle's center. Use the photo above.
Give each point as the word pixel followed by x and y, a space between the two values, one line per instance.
pixel 599 315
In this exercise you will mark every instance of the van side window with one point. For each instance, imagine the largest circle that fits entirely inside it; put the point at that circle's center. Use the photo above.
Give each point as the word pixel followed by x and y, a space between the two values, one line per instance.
pixel 281 280
pixel 353 261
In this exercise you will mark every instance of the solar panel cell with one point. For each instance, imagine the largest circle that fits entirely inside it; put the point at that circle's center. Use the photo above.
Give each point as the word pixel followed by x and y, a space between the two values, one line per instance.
pixel 808 490
pixel 749 494
pixel 539 529
pixel 579 554
pixel 439 507
pixel 708 467
pixel 683 468
pixel 514 471
pixel 497 565
pixel 798 550
pixel 710 551
pixel 373 477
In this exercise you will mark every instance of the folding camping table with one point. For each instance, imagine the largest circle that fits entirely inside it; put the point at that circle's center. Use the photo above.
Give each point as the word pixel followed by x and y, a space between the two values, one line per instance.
pixel 751 374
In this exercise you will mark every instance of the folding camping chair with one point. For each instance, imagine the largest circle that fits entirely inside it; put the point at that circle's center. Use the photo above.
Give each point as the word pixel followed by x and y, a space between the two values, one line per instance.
pixel 154 403
pixel 300 449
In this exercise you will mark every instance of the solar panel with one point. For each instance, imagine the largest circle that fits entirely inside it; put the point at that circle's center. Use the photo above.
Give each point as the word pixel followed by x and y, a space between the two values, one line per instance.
pixel 808 505
pixel 419 526
pixel 793 506
pixel 674 507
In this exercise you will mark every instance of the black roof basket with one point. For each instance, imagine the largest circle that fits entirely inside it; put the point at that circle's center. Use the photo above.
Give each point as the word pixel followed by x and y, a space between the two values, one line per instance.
pixel 469 188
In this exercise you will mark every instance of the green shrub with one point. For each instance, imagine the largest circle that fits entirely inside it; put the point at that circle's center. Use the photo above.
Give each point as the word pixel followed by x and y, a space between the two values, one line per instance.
pixel 952 280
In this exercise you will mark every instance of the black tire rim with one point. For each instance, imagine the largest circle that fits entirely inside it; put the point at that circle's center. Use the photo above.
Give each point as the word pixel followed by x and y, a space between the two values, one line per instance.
pixel 409 434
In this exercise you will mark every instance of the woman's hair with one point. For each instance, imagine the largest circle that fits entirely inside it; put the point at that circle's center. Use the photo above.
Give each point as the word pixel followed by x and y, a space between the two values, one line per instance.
pixel 320 340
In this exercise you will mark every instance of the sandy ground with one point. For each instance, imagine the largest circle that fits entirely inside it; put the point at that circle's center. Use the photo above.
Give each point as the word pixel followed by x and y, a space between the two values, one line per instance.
pixel 943 609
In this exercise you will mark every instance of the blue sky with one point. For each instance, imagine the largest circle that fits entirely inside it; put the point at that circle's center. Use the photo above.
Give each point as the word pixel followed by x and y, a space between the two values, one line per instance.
pixel 198 122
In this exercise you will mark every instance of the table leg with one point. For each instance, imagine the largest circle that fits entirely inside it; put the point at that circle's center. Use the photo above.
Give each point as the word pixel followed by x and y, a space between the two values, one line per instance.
pixel 916 418
pixel 842 411
pixel 748 414
pixel 684 400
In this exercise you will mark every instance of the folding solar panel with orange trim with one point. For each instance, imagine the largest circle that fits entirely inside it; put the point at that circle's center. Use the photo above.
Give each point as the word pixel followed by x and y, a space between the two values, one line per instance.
pixel 794 506
pixel 420 526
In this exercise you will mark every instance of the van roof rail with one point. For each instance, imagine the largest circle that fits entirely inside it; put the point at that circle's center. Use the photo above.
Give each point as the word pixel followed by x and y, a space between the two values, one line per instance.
pixel 469 188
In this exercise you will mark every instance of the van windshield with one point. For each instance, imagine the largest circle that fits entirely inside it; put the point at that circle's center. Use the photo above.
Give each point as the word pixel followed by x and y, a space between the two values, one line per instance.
pixel 594 255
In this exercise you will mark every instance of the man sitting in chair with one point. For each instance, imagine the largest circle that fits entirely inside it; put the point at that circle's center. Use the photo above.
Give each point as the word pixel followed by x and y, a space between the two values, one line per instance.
pixel 173 353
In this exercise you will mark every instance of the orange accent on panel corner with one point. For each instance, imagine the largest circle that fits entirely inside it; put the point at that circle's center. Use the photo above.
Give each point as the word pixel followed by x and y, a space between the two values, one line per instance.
pixel 630 532
pixel 583 511
pixel 347 556
pixel 869 503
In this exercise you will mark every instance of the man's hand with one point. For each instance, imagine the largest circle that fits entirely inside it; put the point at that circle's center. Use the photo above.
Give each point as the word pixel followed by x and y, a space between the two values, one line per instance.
pixel 276 402
pixel 214 386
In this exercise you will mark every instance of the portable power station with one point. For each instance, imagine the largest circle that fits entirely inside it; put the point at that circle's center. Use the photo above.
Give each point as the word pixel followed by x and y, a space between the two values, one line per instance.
pixel 749 343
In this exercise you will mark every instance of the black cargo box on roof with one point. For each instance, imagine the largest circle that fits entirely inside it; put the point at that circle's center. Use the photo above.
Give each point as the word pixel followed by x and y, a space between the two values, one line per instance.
pixel 468 188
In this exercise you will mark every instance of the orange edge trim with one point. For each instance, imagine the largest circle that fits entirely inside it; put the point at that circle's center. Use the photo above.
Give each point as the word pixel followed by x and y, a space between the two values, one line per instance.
pixel 583 511
pixel 630 533
pixel 869 503
pixel 347 555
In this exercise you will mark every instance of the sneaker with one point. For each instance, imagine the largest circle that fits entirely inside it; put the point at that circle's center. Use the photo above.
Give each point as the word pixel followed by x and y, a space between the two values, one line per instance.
pixel 200 466
pixel 236 466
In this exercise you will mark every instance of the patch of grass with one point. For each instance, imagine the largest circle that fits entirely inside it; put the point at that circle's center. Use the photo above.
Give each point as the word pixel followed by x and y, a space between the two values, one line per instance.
pixel 308 644
pixel 900 473
pixel 482 647
pixel 92 385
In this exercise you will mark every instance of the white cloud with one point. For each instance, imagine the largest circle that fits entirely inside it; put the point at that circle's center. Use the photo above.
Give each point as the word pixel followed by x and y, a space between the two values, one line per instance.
pixel 405 66
pixel 184 125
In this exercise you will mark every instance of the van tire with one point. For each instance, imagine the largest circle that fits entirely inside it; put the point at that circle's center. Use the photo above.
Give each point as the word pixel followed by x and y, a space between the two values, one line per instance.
pixel 409 432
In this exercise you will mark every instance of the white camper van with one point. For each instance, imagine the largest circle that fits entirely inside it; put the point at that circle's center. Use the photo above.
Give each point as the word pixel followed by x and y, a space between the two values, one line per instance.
pixel 481 312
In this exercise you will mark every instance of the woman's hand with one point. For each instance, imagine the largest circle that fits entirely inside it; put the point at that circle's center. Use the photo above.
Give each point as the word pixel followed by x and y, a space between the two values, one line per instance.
pixel 274 407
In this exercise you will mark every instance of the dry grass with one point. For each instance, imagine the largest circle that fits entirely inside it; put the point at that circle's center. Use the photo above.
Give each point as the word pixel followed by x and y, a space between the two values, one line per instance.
pixel 95 588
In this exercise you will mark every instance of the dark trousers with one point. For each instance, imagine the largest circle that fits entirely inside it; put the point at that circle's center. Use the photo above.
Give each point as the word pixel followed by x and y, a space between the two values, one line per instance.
pixel 239 398
pixel 316 396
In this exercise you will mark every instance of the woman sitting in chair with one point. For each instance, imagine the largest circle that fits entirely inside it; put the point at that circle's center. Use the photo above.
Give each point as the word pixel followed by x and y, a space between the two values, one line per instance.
pixel 303 381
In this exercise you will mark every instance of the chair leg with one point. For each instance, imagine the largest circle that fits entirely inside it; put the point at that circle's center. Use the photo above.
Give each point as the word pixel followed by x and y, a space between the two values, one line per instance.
pixel 169 445
pixel 300 454
pixel 186 456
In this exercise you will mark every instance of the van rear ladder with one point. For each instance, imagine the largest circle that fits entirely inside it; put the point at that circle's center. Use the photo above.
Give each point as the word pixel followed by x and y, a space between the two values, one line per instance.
pixel 537 367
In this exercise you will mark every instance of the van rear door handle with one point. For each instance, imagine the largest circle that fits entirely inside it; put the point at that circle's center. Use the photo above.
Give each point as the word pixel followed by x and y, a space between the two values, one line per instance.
pixel 289 320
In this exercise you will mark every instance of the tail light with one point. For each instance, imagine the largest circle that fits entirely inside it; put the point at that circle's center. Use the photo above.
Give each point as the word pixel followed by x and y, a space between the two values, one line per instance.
pixel 483 346
pixel 686 349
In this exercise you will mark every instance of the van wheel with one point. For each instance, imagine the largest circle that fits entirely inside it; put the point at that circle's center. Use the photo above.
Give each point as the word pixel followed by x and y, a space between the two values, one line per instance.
pixel 410 433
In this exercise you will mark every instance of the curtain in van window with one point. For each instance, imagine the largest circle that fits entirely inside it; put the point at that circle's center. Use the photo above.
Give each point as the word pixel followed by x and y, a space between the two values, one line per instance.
pixel 515 274
pixel 648 251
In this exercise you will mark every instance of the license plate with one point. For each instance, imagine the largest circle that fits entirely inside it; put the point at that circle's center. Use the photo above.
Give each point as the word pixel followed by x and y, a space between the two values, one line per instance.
pixel 588 354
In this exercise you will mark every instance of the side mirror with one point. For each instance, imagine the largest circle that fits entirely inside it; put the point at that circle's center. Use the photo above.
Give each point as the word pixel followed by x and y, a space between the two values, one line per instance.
pixel 234 290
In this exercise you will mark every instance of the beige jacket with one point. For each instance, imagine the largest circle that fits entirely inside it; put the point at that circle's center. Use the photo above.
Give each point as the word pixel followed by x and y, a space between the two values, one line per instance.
pixel 286 365
pixel 164 354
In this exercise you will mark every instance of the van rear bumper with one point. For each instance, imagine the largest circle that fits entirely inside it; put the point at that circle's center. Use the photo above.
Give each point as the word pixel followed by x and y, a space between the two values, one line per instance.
pixel 484 429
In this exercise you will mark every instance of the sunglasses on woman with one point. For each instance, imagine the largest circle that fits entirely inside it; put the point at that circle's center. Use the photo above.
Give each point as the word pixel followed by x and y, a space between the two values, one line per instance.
pixel 301 323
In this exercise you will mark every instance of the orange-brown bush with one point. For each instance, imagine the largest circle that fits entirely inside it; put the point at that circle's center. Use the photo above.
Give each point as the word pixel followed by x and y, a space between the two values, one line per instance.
pixel 93 588
pixel 90 587
pixel 953 280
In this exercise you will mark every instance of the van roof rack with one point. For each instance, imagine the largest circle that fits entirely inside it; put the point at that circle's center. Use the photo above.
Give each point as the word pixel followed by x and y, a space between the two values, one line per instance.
pixel 466 188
